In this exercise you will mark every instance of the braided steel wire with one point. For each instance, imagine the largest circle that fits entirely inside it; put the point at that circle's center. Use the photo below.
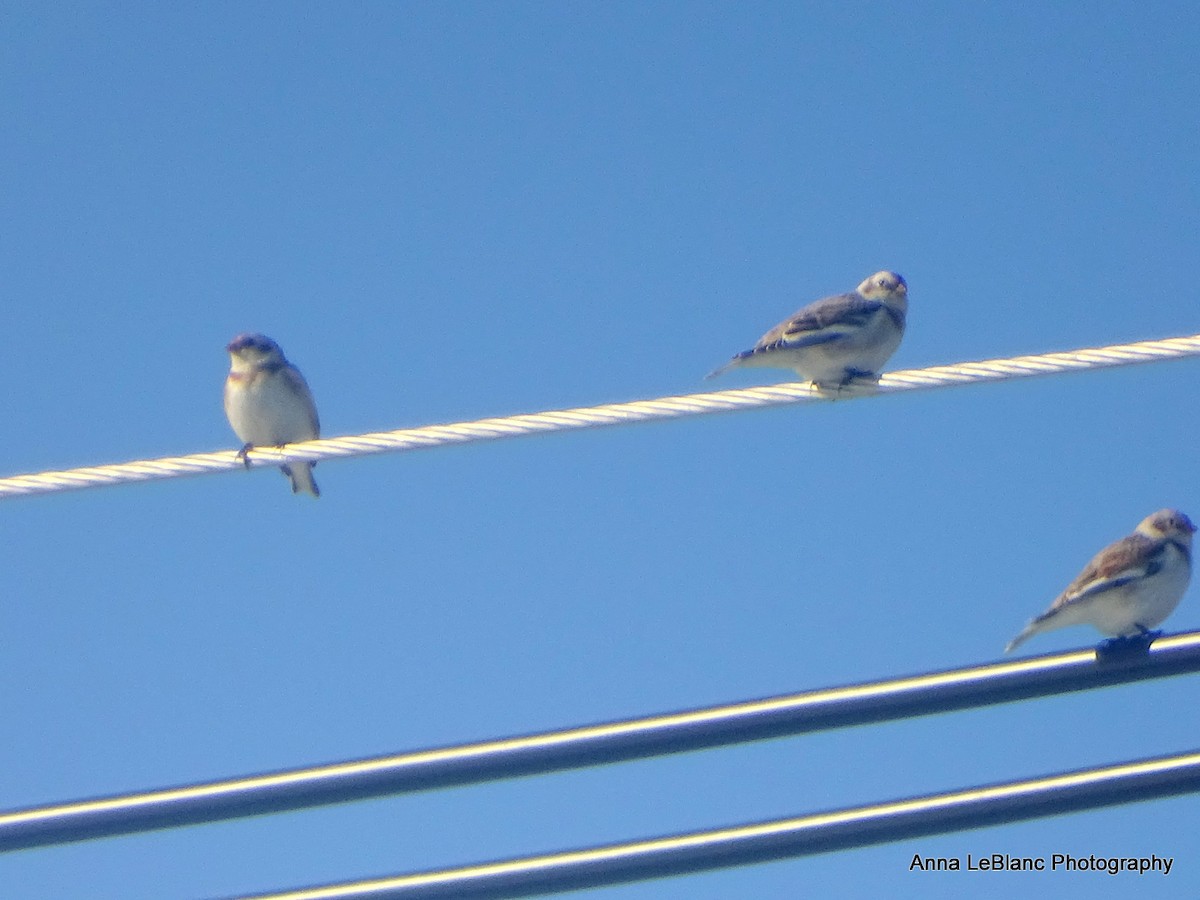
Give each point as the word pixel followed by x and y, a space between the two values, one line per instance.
pixel 600 416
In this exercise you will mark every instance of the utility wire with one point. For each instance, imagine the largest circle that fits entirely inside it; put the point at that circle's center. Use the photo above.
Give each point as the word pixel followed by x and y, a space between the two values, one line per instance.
pixel 839 707
pixel 861 826
pixel 598 416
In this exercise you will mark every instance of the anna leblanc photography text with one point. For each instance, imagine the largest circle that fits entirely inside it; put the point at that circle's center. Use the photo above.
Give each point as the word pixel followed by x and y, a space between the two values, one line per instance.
pixel 1065 862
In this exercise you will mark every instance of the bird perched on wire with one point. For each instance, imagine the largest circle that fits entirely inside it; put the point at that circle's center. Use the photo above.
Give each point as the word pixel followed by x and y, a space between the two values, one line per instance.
pixel 837 339
pixel 1130 586
pixel 268 403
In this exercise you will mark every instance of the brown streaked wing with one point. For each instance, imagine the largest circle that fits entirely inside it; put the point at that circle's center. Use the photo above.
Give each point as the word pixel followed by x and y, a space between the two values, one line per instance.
pixel 1128 556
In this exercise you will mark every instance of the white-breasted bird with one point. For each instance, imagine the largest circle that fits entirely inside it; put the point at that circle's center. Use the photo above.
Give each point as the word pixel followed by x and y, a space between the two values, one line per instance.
pixel 1128 587
pixel 836 339
pixel 268 403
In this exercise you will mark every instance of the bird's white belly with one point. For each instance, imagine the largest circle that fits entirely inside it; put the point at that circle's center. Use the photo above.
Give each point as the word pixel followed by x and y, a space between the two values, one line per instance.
pixel 1146 604
pixel 864 352
pixel 267 413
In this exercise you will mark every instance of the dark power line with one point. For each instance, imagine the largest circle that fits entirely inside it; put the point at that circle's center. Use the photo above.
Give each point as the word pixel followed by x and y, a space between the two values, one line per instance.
pixel 792 714
pixel 760 842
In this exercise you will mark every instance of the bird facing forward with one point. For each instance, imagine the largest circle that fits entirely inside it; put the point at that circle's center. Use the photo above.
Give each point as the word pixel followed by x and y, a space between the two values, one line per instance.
pixel 836 339
pixel 1130 586
pixel 268 403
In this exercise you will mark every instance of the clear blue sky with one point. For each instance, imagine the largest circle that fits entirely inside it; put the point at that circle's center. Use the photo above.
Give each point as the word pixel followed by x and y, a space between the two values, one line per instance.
pixel 445 211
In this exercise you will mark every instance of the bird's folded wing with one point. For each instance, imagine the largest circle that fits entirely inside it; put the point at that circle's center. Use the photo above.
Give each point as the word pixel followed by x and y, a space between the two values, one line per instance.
pixel 823 321
pixel 1127 560
pixel 300 387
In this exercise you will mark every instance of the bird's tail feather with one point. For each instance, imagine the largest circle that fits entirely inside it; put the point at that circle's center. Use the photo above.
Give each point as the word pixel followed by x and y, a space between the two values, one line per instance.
pixel 1029 631
pixel 721 370
pixel 1035 626
pixel 302 478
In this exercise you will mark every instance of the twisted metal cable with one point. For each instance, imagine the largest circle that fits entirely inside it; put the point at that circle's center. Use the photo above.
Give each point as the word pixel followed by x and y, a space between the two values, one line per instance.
pixel 599 416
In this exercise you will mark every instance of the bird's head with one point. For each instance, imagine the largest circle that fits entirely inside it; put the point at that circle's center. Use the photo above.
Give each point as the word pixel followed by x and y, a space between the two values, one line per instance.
pixel 885 286
pixel 1168 523
pixel 252 350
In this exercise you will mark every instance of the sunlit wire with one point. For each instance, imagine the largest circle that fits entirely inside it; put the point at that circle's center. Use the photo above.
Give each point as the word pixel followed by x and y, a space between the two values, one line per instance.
pixel 591 745
pixel 758 842
pixel 598 416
